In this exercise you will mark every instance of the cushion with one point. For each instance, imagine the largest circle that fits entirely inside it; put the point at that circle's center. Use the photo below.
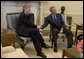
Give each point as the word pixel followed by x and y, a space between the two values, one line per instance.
pixel 23 40
pixel 61 35
pixel 26 39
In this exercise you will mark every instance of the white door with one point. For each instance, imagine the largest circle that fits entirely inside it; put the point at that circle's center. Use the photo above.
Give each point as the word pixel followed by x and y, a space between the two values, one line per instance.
pixel 17 6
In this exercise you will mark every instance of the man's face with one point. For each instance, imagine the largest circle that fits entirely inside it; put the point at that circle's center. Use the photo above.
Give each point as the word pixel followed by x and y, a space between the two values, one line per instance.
pixel 27 10
pixel 53 10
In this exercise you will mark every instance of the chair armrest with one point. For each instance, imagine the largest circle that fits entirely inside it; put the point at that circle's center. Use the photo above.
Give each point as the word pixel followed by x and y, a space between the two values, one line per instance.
pixel 12 29
pixel 67 26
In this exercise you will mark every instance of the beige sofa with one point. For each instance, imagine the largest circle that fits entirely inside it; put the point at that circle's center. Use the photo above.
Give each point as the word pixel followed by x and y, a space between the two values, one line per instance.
pixel 11 52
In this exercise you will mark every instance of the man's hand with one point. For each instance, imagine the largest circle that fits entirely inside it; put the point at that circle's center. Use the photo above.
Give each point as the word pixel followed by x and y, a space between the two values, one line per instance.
pixel 38 27
pixel 61 31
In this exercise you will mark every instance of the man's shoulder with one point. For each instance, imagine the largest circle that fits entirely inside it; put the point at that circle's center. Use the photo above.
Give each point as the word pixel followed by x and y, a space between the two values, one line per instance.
pixel 22 14
pixel 58 14
pixel 51 15
pixel 31 13
pixel 48 16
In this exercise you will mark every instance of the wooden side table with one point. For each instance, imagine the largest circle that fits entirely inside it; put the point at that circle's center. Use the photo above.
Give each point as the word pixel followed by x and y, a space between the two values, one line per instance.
pixel 78 27
pixel 8 37
pixel 72 53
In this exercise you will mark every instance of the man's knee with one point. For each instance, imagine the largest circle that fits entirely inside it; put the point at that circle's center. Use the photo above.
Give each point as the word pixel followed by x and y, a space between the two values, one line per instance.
pixel 67 31
pixel 35 30
pixel 54 36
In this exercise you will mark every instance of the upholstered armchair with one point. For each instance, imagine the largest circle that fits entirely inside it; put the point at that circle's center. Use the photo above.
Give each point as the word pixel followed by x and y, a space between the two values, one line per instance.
pixel 11 24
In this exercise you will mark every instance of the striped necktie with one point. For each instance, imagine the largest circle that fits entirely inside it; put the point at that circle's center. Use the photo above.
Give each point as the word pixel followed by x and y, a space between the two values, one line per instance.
pixel 56 21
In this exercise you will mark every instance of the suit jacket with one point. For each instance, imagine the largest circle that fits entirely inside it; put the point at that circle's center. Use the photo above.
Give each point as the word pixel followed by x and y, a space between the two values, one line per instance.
pixel 49 20
pixel 24 24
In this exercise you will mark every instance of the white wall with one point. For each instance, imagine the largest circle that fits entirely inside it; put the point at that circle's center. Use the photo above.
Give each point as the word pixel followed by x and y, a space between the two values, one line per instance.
pixel 17 6
pixel 72 8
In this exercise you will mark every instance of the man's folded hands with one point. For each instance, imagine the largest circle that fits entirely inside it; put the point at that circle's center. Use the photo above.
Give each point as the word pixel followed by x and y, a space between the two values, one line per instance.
pixel 39 27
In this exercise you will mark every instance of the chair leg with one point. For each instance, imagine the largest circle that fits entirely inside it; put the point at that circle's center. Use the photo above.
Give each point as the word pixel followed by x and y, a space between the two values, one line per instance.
pixel 22 47
pixel 76 42
pixel 63 40
pixel 63 54
pixel 51 43
pixel 50 38
pixel 14 44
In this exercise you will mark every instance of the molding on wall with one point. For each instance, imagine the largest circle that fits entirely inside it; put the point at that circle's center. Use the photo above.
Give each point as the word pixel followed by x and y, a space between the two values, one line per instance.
pixel 1 15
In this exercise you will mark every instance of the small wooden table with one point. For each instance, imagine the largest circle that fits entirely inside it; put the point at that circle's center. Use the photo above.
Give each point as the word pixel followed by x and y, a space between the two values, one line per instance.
pixel 78 27
pixel 72 53
pixel 8 37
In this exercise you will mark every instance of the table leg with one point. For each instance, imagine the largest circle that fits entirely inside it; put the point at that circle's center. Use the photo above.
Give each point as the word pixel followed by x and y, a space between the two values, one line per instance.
pixel 76 35
pixel 49 37
pixel 52 43
pixel 14 44
pixel 63 54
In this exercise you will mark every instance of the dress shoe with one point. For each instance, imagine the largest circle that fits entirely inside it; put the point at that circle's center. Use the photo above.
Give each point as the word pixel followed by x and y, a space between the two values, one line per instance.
pixel 55 49
pixel 45 46
pixel 42 54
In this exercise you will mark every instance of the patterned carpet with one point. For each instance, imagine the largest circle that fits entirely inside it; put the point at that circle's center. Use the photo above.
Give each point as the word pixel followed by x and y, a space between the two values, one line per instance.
pixel 30 50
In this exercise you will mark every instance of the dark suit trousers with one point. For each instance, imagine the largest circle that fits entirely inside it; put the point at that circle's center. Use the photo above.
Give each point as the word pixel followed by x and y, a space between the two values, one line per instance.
pixel 68 34
pixel 37 39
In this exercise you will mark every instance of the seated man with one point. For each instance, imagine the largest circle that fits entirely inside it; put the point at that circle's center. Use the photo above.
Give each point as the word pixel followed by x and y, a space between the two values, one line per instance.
pixel 57 26
pixel 26 28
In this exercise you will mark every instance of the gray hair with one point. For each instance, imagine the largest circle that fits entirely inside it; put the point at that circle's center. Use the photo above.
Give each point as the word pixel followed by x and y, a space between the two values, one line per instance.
pixel 51 8
pixel 25 7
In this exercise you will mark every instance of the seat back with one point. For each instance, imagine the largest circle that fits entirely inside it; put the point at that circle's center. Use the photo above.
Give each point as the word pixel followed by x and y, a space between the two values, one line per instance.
pixel 69 20
pixel 12 20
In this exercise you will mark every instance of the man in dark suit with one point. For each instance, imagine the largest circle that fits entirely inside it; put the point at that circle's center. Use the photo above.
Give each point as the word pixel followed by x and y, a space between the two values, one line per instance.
pixel 26 28
pixel 57 26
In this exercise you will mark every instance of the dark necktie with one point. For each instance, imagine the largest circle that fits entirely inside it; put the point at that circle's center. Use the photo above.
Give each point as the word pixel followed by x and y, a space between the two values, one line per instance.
pixel 56 21
pixel 27 16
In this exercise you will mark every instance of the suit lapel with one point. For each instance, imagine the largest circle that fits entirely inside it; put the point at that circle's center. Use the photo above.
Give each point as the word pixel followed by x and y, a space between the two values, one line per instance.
pixel 51 18
pixel 57 17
